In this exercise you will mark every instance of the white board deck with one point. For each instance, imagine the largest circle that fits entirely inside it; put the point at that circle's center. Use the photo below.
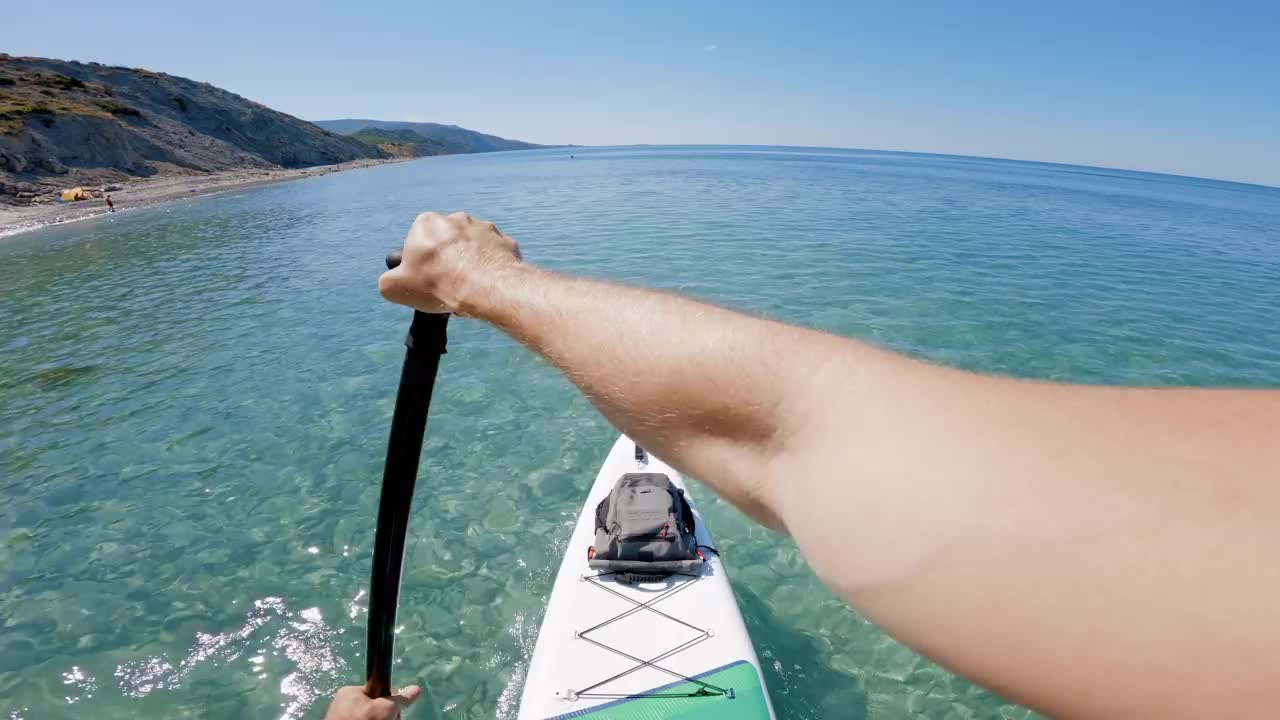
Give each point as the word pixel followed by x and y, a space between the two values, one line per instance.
pixel 572 675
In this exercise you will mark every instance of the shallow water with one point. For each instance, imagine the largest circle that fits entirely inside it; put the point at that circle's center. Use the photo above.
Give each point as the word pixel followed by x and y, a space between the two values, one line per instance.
pixel 194 402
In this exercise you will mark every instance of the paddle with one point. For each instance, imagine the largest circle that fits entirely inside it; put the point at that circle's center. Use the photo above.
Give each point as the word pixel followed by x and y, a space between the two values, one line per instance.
pixel 424 346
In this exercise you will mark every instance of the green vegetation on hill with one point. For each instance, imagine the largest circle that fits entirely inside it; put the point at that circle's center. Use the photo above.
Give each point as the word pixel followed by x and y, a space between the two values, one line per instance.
pixel 25 92
pixel 401 143
pixel 452 138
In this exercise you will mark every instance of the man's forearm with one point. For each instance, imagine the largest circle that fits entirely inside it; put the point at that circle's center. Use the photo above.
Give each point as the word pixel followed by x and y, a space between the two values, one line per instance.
pixel 668 371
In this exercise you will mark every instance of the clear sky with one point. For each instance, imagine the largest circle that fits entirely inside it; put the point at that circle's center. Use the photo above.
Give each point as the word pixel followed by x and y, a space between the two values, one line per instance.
pixel 1185 88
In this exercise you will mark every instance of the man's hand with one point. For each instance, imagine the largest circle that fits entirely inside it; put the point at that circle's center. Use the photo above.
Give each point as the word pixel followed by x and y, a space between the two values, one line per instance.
pixel 350 703
pixel 445 259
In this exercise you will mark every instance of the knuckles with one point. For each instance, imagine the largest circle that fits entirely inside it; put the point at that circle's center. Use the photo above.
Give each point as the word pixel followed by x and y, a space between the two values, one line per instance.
pixel 350 692
pixel 431 231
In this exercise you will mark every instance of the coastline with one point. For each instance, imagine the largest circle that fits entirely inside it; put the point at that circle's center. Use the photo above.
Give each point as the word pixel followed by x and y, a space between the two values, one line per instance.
pixel 162 189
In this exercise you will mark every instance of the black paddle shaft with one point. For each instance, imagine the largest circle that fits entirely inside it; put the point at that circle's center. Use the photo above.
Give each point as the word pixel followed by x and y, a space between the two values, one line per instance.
pixel 424 346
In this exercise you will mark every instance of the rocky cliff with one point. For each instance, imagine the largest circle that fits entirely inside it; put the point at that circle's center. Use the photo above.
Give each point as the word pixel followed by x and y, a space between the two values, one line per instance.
pixel 69 123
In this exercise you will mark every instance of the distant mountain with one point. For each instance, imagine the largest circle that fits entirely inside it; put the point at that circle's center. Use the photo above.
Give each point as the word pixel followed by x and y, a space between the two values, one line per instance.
pixel 455 139
pixel 66 123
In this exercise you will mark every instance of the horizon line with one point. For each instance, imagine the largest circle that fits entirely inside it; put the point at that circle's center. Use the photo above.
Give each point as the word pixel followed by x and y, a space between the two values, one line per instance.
pixel 1227 181
pixel 552 146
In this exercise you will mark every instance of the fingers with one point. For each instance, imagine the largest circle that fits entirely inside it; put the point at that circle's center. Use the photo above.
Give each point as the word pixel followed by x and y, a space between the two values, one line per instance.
pixel 388 708
pixel 350 694
pixel 392 283
pixel 405 696
pixel 389 285
pixel 397 286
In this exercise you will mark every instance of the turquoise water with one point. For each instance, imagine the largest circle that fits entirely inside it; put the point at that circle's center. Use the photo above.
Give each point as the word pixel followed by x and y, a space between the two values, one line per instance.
pixel 194 402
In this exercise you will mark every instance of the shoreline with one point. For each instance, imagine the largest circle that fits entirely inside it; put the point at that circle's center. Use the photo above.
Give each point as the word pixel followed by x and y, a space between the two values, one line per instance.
pixel 163 189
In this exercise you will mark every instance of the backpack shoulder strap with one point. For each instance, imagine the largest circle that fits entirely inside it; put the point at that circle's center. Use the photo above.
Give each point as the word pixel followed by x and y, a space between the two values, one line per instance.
pixel 686 511
pixel 602 512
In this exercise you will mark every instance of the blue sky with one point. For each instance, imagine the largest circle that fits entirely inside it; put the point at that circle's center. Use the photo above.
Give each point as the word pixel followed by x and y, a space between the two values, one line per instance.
pixel 1185 88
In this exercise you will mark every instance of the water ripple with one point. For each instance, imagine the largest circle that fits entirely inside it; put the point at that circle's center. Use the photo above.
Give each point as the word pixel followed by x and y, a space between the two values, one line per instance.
pixel 194 401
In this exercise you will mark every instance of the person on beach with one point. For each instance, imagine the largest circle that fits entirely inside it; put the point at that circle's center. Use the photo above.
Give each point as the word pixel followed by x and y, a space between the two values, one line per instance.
pixel 1085 551
pixel 111 207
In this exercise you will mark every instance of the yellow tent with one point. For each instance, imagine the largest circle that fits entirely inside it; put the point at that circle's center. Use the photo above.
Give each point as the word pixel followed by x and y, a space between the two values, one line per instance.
pixel 76 194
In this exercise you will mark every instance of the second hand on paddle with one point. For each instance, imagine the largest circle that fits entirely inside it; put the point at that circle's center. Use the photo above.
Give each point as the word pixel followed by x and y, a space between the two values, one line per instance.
pixel 424 346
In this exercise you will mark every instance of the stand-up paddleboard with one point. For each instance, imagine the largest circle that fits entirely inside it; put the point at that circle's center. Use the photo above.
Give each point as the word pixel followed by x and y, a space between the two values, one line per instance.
pixel 617 646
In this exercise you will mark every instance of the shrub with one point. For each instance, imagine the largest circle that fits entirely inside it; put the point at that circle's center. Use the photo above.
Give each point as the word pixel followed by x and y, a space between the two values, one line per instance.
pixel 177 100
pixel 7 81
pixel 116 108
pixel 63 82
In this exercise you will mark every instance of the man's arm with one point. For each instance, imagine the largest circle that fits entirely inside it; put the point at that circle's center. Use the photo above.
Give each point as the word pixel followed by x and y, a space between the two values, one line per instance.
pixel 1084 550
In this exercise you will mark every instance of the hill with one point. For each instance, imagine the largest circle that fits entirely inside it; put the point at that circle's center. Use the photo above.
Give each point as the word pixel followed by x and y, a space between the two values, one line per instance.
pixel 401 143
pixel 67 123
pixel 455 139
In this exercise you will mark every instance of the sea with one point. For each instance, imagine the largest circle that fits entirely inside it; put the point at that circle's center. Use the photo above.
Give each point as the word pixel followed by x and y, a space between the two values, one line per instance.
pixel 195 399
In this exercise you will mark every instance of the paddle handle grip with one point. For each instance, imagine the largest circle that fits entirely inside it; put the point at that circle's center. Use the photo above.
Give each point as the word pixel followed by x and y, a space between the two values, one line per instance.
pixel 428 329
